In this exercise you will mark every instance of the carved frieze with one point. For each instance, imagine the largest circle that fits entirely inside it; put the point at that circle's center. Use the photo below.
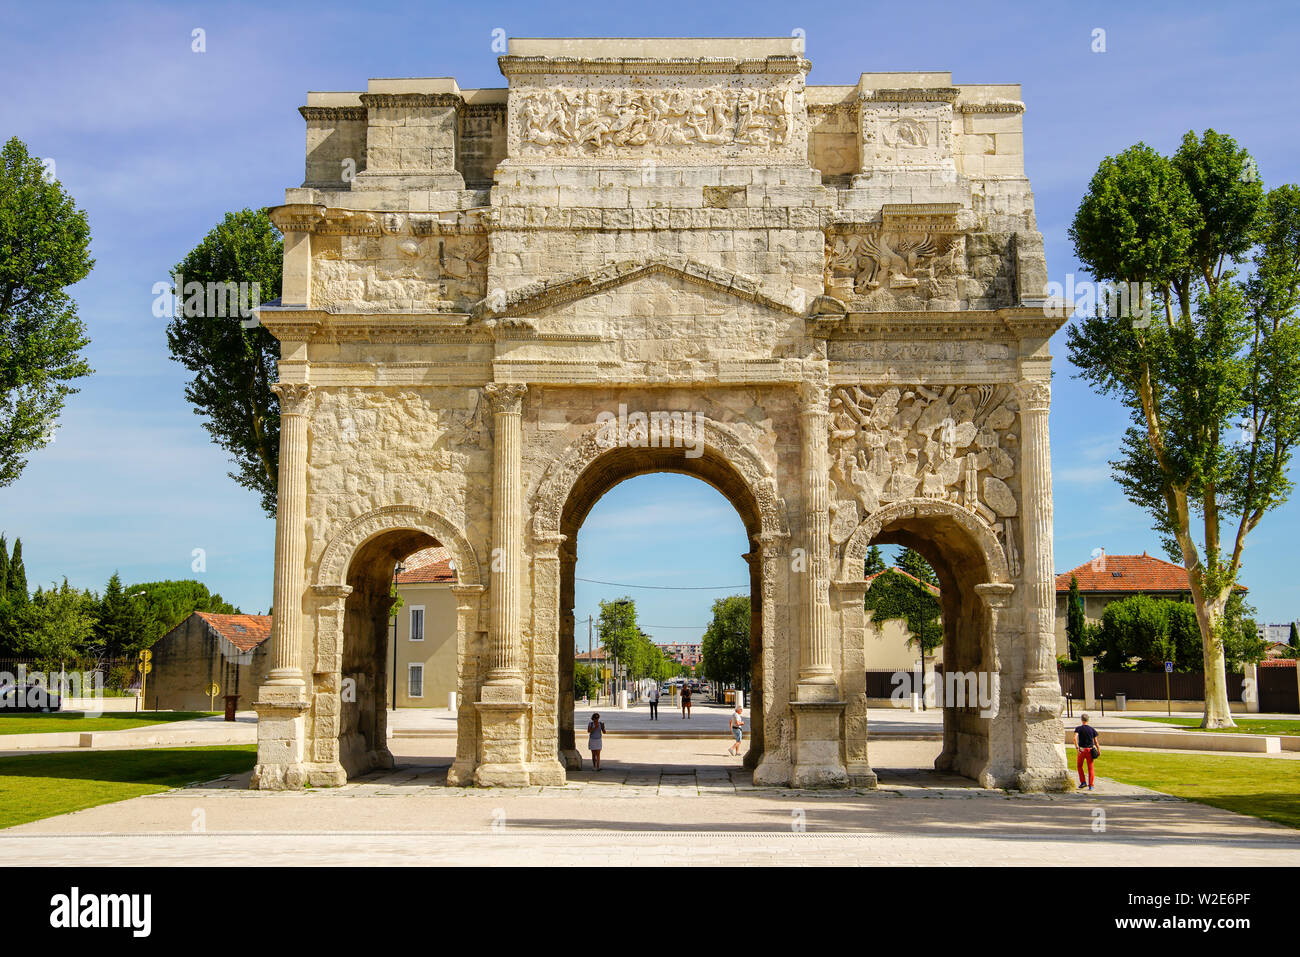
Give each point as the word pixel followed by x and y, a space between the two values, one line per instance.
pixel 607 122
pixel 953 443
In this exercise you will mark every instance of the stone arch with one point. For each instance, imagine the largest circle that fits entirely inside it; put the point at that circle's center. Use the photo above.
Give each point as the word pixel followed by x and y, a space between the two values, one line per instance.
pixel 333 566
pixel 855 549
pixel 564 472
pixel 978 635
pixel 588 468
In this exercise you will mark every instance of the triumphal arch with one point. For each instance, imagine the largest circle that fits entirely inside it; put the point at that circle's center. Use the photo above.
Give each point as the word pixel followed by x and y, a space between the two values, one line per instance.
pixel 661 255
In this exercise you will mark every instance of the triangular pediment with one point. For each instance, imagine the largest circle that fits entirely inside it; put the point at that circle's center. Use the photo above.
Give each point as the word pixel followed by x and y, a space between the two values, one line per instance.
pixel 535 297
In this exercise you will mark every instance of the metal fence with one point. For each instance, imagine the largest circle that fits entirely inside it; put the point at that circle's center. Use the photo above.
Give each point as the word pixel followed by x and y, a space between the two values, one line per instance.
pixel 113 674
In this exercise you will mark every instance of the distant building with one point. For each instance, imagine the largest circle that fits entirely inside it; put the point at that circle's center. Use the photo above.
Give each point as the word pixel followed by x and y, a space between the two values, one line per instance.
pixel 231 650
pixel 426 632
pixel 1109 578
pixel 889 643
pixel 1275 634
pixel 684 653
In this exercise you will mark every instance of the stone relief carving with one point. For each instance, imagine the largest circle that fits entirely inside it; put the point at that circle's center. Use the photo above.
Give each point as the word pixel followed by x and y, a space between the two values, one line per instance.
pixel 926 264
pixel 596 122
pixel 955 443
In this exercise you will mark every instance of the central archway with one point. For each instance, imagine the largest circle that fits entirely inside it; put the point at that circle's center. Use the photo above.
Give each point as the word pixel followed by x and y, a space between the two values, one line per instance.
pixel 589 468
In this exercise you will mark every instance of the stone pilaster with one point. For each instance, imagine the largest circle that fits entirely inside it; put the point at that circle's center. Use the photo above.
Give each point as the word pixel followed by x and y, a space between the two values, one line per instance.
pixel 469 599
pixel 505 679
pixel 1042 761
pixel 503 713
pixel 816 678
pixel 282 702
pixel 1036 499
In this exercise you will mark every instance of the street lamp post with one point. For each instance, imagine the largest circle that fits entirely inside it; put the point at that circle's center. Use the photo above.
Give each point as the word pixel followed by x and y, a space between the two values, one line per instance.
pixel 397 570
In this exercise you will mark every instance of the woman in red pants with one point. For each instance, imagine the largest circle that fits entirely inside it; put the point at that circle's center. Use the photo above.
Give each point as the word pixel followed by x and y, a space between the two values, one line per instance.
pixel 1085 746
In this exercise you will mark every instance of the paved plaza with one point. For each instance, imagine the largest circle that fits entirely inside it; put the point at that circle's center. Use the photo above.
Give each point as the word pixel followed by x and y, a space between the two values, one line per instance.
pixel 657 801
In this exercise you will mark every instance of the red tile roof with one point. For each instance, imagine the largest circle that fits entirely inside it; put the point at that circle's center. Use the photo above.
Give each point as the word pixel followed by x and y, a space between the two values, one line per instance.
pixel 245 632
pixel 1126 573
pixel 427 565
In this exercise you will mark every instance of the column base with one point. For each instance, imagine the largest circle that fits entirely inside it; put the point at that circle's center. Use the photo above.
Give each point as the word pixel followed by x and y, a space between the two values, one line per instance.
pixel 861 776
pixel 503 735
pixel 281 738
pixel 572 759
pixel 818 744
pixel 460 774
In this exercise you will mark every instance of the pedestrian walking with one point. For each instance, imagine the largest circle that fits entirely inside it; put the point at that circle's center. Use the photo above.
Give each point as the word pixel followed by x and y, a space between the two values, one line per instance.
pixel 686 701
pixel 737 730
pixel 1086 750
pixel 654 702
pixel 595 738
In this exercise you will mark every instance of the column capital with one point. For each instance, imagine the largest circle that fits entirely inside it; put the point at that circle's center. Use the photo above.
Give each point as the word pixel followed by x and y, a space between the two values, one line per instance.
pixel 995 594
pixel 295 397
pixel 1035 395
pixel 507 398
pixel 814 397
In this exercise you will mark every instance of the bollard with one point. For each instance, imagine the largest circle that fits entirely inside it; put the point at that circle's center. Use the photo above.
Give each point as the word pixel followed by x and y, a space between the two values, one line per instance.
pixel 451 701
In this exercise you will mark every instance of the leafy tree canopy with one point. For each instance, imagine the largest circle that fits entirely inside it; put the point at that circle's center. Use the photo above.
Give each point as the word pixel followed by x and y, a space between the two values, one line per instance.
pixel 725 656
pixel 234 365
pixel 44 248
pixel 895 596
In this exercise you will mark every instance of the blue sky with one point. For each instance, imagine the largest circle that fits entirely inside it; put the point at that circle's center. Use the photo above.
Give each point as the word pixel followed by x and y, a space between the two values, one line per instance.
pixel 157 142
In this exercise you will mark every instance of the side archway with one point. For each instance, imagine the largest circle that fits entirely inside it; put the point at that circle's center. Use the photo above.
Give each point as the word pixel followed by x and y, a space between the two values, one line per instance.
pixel 352 597
pixel 979 713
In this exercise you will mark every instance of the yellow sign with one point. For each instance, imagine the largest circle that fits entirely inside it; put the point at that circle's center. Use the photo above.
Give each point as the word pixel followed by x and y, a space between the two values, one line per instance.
pixel 213 690
pixel 146 656
pixel 145 668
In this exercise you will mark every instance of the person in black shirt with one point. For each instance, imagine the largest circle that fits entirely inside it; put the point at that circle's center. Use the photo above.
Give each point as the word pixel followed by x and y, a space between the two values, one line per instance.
pixel 1085 746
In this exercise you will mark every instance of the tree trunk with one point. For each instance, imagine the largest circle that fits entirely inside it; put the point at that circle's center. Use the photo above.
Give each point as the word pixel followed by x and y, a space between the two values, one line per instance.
pixel 1209 615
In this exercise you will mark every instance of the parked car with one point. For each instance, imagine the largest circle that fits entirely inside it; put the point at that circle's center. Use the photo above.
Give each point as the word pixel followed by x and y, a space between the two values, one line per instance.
pixel 33 699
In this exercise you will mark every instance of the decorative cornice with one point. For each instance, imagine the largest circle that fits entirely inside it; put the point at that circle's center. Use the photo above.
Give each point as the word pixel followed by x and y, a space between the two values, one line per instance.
pixel 336 221
pixel 534 65
pixel 941 94
pixel 334 113
pixel 994 106
pixel 412 100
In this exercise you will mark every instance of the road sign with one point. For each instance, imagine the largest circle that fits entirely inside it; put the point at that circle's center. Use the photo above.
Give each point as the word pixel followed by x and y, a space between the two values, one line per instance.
pixel 1169 666
pixel 213 690
pixel 146 655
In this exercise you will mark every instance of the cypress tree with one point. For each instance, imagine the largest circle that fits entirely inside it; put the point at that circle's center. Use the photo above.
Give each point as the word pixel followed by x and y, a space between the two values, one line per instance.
pixel 875 562
pixel 17 578
pixel 916 566
pixel 4 568
pixel 1074 619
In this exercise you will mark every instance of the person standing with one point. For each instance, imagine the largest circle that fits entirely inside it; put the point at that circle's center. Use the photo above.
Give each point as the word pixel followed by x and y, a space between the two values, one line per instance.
pixel 595 739
pixel 1086 750
pixel 654 702
pixel 737 730
pixel 686 701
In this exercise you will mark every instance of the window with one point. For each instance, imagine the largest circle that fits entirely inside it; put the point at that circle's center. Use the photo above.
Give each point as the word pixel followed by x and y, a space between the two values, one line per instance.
pixel 417 623
pixel 415 681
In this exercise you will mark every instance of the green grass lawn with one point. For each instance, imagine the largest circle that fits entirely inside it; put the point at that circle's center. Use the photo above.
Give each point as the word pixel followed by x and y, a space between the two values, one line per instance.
pixel 75 721
pixel 1263 787
pixel 34 786
pixel 1244 725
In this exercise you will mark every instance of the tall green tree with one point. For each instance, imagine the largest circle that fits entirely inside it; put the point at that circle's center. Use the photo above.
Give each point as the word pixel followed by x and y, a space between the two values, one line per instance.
pixel 16 582
pixel 724 652
pixel 895 596
pixel 120 621
pixel 234 363
pixel 57 625
pixel 4 568
pixel 1212 385
pixel 875 562
pixel 44 248
pixel 618 629
pixel 1075 622
pixel 911 562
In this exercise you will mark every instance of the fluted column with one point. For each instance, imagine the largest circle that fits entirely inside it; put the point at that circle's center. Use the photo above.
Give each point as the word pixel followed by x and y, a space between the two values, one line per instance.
pixel 505 669
pixel 290 534
pixel 815 649
pixel 1036 498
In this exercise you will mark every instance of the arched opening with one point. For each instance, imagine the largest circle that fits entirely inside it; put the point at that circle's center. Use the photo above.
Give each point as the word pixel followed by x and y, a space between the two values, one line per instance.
pixel 972 573
pixel 604 473
pixel 367 649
